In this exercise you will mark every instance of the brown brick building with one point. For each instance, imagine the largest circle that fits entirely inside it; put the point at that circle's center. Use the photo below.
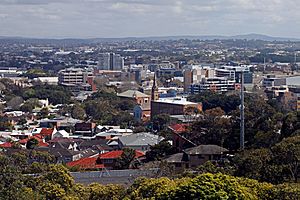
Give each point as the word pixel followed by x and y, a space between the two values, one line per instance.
pixel 172 106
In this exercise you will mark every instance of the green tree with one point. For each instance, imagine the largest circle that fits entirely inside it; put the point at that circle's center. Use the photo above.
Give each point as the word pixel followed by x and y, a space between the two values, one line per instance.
pixel 161 122
pixel 257 164
pixel 44 113
pixel 291 123
pixel 107 192
pixel 287 154
pixel 213 128
pixel 15 102
pixel 78 112
pixel 32 143
pixel 159 151
pixel 30 104
pixel 126 159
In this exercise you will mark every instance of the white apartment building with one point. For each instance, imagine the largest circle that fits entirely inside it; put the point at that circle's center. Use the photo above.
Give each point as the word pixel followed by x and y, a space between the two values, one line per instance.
pixel 74 76
pixel 216 84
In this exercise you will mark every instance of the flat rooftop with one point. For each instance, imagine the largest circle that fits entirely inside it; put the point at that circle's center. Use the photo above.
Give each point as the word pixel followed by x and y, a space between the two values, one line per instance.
pixel 176 100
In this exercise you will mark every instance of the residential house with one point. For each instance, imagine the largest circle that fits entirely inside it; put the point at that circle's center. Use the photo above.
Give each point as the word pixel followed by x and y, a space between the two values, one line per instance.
pixel 85 129
pixel 139 141
pixel 61 123
pixel 179 141
pixel 45 132
pixel 40 138
pixel 103 161
pixel 195 156
pixel 61 134
pixel 99 145
pixel 71 153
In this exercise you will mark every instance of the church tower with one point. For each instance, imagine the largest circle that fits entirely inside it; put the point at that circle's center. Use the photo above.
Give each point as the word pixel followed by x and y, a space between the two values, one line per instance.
pixel 154 91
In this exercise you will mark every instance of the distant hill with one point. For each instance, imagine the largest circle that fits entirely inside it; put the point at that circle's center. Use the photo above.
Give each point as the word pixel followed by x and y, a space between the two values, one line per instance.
pixel 155 38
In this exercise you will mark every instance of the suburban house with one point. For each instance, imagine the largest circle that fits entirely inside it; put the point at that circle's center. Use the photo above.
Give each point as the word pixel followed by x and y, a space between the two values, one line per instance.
pixel 139 141
pixel 47 133
pixel 103 161
pixel 98 145
pixel 85 129
pixel 38 137
pixel 61 134
pixel 180 142
pixel 195 156
pixel 61 123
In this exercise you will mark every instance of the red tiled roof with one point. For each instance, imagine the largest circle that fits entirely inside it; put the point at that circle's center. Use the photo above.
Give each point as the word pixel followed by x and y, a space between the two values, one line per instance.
pixel 43 144
pixel 6 145
pixel 23 141
pixel 46 131
pixel 38 138
pixel 91 162
pixel 86 163
pixel 117 154
pixel 178 128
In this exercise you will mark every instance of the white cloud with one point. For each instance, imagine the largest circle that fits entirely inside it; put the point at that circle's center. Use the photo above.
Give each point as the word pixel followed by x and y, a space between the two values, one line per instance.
pixel 106 18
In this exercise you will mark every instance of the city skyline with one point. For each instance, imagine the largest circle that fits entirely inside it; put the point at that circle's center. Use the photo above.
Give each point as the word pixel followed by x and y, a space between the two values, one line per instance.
pixel 144 18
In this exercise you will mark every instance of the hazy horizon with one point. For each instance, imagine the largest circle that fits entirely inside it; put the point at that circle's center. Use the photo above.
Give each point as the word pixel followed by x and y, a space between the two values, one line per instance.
pixel 148 18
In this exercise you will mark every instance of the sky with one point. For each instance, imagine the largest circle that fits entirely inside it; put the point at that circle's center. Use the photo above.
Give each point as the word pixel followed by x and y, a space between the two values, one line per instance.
pixel 140 18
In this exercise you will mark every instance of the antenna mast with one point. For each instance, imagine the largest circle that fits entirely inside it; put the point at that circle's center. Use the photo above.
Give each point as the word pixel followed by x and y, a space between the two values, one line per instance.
pixel 242 115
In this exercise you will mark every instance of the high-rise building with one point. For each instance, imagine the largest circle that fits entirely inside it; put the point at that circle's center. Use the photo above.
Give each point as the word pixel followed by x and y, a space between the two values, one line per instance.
pixel 195 73
pixel 110 61
pixel 77 79
pixel 216 84
pixel 74 76
pixel 272 80
pixel 234 73
pixel 104 61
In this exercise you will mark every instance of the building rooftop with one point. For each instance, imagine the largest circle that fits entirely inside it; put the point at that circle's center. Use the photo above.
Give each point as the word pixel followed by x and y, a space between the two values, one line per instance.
pixel 117 154
pixel 133 94
pixel 206 150
pixel 176 100
pixel 139 139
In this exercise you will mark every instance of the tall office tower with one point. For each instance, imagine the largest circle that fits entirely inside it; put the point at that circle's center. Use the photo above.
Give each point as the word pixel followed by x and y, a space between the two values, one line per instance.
pixel 195 73
pixel 110 61
pixel 187 79
pixel 116 62
pixel 104 61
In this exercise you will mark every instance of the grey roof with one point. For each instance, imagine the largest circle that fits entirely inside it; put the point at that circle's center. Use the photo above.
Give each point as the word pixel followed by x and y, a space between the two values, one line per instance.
pixel 140 139
pixel 175 158
pixel 100 144
pixel 206 150
pixel 132 94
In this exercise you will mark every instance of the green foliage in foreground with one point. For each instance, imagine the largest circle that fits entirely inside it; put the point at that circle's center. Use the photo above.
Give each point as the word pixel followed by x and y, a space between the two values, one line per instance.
pixel 57 183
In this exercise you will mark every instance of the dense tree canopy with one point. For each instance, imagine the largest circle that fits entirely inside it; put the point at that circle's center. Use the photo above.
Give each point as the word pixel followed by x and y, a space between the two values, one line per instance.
pixel 55 182
pixel 106 107
pixel 55 94
pixel 211 100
